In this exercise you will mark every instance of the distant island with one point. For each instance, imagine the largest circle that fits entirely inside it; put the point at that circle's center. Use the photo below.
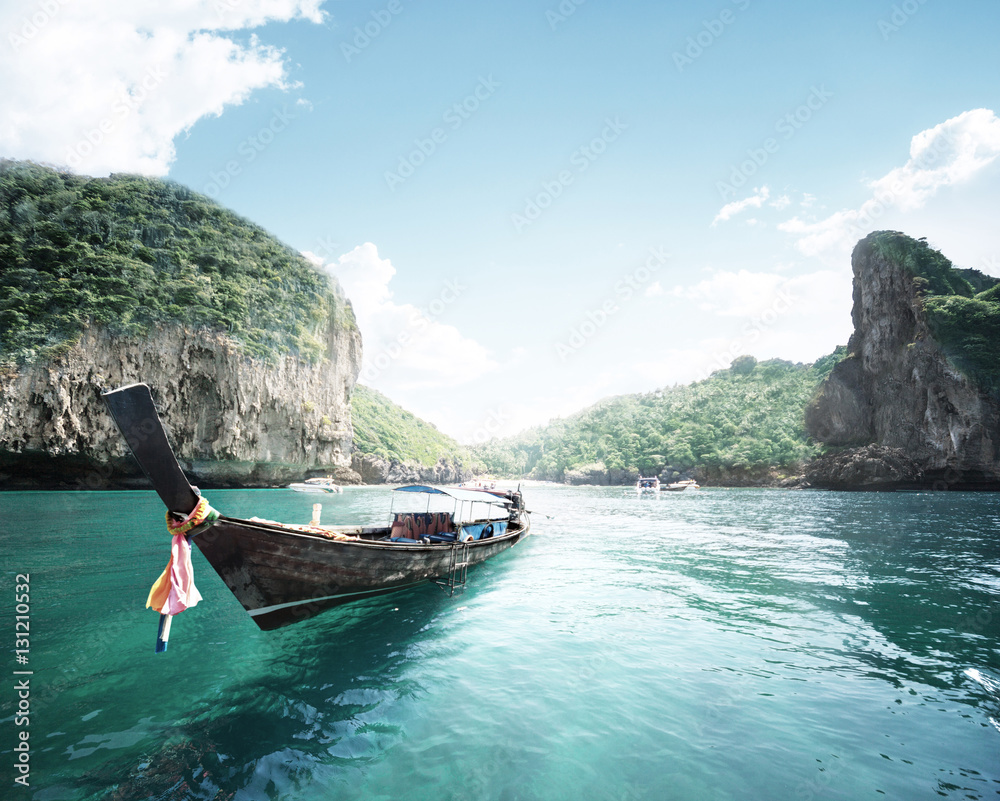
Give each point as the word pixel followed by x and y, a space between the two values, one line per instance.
pixel 742 426
pixel 254 354
pixel 910 402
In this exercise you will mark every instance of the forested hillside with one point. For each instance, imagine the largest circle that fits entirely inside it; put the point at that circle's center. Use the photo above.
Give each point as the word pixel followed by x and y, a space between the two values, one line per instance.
pixel 381 428
pixel 743 419
pixel 129 252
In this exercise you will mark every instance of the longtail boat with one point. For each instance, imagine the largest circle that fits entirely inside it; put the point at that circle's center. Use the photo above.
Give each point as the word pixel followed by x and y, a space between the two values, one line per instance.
pixel 286 573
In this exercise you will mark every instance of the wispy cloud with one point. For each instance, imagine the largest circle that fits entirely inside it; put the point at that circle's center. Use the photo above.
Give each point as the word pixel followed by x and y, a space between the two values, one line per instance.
pixel 755 201
pixel 102 87
pixel 733 294
pixel 654 290
pixel 406 347
pixel 945 155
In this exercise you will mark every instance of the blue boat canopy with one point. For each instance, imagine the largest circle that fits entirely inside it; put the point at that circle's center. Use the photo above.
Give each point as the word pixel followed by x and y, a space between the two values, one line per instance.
pixel 459 494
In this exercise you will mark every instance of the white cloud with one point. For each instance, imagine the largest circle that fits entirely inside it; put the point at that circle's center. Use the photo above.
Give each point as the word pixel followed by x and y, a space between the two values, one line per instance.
pixel 406 347
pixel 949 153
pixel 107 85
pixel 654 290
pixel 798 318
pixel 756 200
pixel 946 155
pixel 734 294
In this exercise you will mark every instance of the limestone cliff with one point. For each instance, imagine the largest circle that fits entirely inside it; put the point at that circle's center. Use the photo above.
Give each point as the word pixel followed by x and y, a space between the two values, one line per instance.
pixel 251 352
pixel 900 407
pixel 375 469
pixel 233 420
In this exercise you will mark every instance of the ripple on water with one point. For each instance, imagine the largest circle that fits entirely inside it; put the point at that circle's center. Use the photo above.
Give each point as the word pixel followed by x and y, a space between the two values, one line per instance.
pixel 722 644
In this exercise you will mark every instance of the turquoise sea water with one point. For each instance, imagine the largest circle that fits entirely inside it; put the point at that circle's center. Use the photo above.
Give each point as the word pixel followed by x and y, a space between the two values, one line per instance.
pixel 725 644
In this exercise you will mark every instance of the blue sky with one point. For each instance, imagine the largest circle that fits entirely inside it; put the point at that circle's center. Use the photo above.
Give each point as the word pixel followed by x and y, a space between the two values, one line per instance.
pixel 534 205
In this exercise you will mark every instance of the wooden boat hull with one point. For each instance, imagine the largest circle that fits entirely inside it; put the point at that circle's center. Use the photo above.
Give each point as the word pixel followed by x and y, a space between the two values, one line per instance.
pixel 282 577
pixel 282 574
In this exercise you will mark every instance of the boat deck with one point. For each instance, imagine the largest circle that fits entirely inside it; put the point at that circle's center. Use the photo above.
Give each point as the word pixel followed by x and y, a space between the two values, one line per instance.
pixel 405 530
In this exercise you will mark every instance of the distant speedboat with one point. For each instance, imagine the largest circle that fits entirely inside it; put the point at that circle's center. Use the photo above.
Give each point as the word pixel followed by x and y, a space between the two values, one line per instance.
pixel 681 486
pixel 316 485
pixel 647 486
pixel 480 483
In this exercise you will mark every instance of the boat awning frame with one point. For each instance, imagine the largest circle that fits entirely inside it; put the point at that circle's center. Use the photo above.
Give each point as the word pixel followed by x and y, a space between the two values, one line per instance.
pixel 458 493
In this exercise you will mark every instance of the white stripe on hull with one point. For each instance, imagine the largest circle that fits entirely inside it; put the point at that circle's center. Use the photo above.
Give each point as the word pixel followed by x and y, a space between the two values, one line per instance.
pixel 267 609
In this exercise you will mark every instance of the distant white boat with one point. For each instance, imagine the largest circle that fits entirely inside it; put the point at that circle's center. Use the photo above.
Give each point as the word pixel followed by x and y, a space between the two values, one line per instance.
pixel 316 485
pixel 480 483
pixel 681 486
pixel 647 486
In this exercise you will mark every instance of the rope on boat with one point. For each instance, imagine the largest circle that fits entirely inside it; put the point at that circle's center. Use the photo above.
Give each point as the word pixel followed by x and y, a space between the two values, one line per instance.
pixel 201 518
pixel 174 590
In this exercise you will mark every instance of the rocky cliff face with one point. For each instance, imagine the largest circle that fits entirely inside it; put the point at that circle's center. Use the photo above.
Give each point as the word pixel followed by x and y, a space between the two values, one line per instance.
pixel 233 421
pixel 905 415
pixel 598 474
pixel 378 470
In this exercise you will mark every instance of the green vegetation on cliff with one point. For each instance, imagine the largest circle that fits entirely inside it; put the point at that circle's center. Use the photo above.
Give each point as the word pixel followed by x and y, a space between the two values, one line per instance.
pixel 962 307
pixel 968 330
pixel 129 253
pixel 745 418
pixel 382 428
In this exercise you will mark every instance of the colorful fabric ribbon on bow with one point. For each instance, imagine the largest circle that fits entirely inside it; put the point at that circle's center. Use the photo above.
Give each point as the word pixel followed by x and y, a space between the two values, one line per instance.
pixel 174 590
